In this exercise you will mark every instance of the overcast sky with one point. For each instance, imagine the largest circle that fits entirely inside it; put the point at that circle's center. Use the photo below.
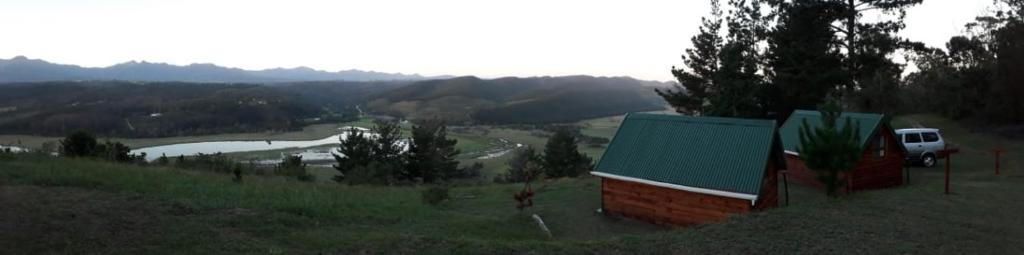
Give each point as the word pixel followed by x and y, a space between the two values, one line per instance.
pixel 636 38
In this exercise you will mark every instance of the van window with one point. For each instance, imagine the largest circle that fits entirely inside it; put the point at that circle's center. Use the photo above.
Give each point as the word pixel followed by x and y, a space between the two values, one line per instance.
pixel 912 138
pixel 930 137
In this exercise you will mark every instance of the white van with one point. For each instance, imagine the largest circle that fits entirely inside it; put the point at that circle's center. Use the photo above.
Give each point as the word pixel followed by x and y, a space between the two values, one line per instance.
pixel 923 144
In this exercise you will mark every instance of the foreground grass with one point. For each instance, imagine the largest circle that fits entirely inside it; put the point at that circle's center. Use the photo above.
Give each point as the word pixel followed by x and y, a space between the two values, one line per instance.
pixel 80 206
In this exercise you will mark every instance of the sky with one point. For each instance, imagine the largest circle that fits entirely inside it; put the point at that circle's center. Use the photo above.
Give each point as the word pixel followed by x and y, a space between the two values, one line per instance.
pixel 638 38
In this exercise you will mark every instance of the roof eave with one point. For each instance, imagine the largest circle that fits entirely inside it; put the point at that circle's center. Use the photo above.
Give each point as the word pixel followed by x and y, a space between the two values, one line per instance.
pixel 744 196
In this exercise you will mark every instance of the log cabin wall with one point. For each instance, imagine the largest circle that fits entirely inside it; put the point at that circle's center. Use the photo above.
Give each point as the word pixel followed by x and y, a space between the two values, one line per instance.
pixel 877 170
pixel 666 206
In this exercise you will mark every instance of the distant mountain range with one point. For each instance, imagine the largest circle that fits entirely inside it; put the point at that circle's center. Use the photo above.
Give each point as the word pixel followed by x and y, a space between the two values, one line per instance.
pixel 22 69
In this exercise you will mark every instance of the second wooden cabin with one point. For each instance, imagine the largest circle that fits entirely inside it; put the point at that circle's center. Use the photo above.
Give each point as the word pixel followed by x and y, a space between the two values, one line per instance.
pixel 881 162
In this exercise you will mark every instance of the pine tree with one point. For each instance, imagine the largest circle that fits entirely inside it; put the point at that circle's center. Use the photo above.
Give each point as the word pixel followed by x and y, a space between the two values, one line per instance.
pixel 431 156
pixel 692 94
pixel 561 157
pixel 356 151
pixel 805 64
pixel 829 150
pixel 869 45
pixel 723 76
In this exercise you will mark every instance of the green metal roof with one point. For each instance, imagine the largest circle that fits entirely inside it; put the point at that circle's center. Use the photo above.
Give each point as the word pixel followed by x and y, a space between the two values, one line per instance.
pixel 724 154
pixel 790 131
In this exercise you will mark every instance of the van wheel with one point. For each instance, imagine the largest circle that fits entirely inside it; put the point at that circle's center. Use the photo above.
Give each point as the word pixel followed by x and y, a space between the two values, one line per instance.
pixel 928 160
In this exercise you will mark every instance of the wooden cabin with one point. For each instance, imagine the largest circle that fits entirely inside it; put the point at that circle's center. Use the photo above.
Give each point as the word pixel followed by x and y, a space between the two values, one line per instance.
pixel 681 170
pixel 880 165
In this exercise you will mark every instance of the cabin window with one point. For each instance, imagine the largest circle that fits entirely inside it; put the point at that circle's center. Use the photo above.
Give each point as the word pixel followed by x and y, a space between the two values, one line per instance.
pixel 930 137
pixel 880 146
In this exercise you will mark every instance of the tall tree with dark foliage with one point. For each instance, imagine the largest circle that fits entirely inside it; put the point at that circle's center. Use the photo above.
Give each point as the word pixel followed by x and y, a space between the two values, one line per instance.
pixel 356 151
pixel 561 157
pixel 431 156
pixel 722 76
pixel 805 65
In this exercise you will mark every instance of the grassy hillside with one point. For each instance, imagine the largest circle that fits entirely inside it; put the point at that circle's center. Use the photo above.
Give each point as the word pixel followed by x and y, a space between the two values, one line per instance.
pixel 80 206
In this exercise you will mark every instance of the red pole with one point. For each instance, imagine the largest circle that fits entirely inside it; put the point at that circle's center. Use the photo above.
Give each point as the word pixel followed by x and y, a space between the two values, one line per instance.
pixel 948 155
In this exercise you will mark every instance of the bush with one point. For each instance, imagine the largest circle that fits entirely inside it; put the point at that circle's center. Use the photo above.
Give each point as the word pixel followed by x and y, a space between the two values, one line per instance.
pixel 435 195
pixel 292 166
pixel 522 166
pixel 83 144
pixel 78 144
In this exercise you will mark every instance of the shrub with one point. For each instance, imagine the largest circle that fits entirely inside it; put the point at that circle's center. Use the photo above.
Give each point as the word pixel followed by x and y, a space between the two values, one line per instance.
pixel 162 160
pixel 435 195
pixel 292 166
pixel 78 144
pixel 522 166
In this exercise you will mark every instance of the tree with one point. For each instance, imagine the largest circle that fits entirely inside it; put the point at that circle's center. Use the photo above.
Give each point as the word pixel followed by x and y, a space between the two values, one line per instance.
pixel 114 151
pixel 519 166
pixel 387 143
pixel 78 144
pixel 1005 106
pixel 722 77
pixel 561 157
pixel 869 45
pixel 805 66
pixel 387 151
pixel 431 156
pixel 829 150
pixel 356 150
pixel 692 94
pixel 292 166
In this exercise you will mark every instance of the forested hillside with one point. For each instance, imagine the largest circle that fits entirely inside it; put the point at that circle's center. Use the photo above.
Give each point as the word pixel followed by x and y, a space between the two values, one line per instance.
pixel 147 109
pixel 519 100
pixel 160 109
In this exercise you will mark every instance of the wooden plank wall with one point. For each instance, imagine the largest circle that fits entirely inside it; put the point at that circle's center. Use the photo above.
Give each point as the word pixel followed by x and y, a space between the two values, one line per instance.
pixel 667 206
pixel 875 172
pixel 872 172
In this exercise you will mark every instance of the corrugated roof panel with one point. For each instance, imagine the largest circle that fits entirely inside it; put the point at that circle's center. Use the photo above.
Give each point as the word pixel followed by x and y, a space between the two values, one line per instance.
pixel 790 131
pixel 725 154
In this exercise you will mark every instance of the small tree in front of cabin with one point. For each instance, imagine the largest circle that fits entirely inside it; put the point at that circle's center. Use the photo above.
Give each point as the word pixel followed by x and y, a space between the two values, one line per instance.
pixel 562 157
pixel 829 150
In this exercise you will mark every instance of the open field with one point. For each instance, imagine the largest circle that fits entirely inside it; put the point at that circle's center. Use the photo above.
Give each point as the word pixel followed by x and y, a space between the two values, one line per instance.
pixel 81 206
